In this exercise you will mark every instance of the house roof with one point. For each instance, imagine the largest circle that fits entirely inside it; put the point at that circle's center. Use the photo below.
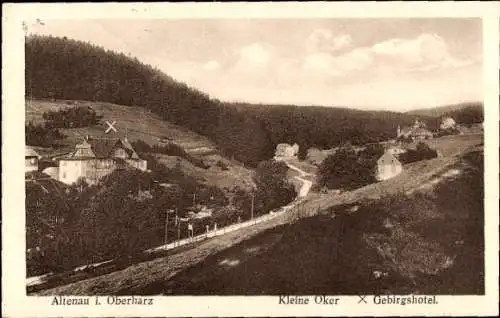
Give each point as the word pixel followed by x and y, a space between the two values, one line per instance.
pixel 45 183
pixel 104 147
pixel 30 152
pixel 283 145
pixel 415 131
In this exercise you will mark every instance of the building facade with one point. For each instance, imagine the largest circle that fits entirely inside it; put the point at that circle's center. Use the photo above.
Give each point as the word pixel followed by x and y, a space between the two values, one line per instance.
pixel 388 166
pixel 31 159
pixel 447 123
pixel 96 158
pixel 286 151
pixel 417 132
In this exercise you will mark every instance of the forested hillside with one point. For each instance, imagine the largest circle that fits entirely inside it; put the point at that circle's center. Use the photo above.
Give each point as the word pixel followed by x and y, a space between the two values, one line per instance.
pixel 465 113
pixel 60 68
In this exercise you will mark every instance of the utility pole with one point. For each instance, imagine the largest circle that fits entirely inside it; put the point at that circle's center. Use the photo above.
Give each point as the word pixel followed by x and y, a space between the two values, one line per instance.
pixel 166 226
pixel 251 210
pixel 178 232
pixel 166 229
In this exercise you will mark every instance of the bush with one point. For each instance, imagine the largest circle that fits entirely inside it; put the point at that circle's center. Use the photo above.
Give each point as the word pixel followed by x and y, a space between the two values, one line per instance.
pixel 422 152
pixel 73 117
pixel 273 188
pixel 346 169
pixel 42 136
pixel 447 132
pixel 170 149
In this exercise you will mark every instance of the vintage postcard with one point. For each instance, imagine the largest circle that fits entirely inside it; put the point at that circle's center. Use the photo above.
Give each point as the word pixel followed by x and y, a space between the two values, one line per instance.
pixel 250 159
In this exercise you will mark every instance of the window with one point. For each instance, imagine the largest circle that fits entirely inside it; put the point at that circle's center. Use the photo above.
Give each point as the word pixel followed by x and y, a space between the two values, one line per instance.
pixel 33 161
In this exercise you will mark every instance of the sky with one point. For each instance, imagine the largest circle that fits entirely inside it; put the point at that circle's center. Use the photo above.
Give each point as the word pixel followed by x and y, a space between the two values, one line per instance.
pixel 374 64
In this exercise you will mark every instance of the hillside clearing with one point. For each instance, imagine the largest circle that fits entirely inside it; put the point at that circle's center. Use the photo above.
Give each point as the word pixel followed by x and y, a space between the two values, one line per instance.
pixel 137 123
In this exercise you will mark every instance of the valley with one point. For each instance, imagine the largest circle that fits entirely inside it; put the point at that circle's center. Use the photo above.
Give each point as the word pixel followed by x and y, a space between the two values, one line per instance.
pixel 161 189
pixel 214 264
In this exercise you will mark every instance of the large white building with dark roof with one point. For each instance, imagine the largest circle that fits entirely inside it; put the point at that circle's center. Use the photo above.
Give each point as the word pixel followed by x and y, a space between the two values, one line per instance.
pixel 95 158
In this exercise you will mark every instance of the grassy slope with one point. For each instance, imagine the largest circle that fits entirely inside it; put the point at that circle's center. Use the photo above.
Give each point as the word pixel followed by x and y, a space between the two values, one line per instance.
pixel 434 246
pixel 141 124
pixel 203 263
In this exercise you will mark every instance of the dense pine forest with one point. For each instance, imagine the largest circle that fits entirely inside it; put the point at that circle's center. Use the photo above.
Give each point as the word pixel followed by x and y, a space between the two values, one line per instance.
pixel 60 68
pixel 466 113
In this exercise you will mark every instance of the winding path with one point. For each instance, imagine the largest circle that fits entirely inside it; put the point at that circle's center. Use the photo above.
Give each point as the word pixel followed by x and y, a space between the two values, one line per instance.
pixel 306 184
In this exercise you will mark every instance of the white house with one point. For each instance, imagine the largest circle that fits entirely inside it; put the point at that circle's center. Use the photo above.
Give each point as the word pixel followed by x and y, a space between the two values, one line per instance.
pixel 388 166
pixel 447 123
pixel 286 151
pixel 418 131
pixel 96 158
pixel 31 158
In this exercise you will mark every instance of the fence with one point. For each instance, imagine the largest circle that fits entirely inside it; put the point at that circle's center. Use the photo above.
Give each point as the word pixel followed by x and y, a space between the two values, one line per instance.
pixel 217 232
pixel 31 281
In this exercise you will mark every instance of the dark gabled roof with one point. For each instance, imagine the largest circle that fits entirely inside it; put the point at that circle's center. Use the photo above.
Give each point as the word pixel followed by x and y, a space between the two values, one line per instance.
pixel 45 182
pixel 104 147
pixel 129 149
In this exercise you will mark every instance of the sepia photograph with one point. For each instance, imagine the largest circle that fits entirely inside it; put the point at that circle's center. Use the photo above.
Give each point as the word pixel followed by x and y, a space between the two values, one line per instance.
pixel 223 157
pixel 333 161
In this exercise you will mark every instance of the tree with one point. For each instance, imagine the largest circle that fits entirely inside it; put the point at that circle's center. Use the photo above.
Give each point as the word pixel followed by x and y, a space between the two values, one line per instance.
pixel 302 155
pixel 42 136
pixel 422 152
pixel 247 132
pixel 348 169
pixel 273 188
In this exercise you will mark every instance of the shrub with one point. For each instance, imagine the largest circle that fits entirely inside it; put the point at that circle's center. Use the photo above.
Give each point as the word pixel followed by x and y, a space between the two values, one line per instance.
pixel 42 136
pixel 73 117
pixel 348 169
pixel 170 149
pixel 273 188
pixel 448 131
pixel 422 152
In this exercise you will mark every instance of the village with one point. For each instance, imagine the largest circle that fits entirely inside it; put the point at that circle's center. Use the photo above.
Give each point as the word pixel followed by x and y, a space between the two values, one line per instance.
pixel 388 165
pixel 96 157
pixel 141 181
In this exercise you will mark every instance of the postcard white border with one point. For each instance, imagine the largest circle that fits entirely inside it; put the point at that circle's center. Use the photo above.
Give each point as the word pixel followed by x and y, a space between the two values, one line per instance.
pixel 15 303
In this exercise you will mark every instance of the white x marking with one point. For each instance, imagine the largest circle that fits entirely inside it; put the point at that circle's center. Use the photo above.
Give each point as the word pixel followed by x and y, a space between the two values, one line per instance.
pixel 110 127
